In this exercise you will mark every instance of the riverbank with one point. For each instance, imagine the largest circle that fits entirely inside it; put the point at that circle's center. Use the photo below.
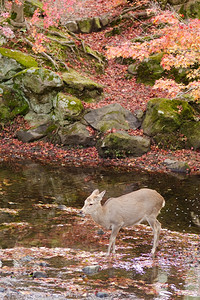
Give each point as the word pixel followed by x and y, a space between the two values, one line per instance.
pixel 11 149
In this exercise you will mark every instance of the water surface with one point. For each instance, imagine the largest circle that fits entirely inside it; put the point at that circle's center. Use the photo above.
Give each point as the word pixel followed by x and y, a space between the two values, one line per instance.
pixel 38 208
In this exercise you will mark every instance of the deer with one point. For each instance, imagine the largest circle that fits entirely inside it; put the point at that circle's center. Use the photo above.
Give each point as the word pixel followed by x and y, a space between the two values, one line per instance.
pixel 124 211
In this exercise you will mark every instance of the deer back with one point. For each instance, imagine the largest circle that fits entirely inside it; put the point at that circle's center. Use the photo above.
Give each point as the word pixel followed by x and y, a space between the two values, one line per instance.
pixel 134 207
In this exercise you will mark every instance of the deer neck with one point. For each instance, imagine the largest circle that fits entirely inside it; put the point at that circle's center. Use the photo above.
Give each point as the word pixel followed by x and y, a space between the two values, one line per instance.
pixel 99 217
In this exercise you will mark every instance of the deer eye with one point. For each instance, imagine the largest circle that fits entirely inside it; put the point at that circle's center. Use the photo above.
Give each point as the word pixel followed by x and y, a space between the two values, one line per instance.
pixel 90 204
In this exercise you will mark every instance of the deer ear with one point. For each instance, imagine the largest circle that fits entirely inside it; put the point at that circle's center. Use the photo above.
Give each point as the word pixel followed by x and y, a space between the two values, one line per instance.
pixel 101 195
pixel 95 192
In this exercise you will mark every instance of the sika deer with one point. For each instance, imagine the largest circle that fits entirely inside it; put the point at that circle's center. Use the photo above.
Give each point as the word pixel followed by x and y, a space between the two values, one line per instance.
pixel 126 210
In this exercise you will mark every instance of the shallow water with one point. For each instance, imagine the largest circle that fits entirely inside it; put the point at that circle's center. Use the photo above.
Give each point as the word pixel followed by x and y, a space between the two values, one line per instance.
pixel 32 215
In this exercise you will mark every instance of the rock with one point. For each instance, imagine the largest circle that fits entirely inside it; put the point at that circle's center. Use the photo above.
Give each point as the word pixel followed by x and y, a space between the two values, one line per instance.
pixel 166 116
pixel 85 25
pixel 62 207
pixel 89 270
pixel 67 107
pixel 36 120
pixel 132 69
pixel 104 20
pixel 81 86
pixel 40 87
pixel 111 116
pixel 9 67
pixel 101 295
pixel 39 274
pixel 121 144
pixel 12 103
pixel 72 26
pixel 76 134
pixel 32 134
pixel 25 60
pixel 96 24
pixel 177 166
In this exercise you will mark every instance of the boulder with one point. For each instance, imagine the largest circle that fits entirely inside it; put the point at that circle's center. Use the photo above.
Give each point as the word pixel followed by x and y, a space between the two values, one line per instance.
pixel 33 134
pixel 67 107
pixel 76 134
pixel 166 116
pixel 111 116
pixel 12 103
pixel 81 86
pixel 121 144
pixel 40 87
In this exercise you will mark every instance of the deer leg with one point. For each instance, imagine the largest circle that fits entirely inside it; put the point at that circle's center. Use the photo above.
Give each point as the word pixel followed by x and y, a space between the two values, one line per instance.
pixel 156 226
pixel 113 235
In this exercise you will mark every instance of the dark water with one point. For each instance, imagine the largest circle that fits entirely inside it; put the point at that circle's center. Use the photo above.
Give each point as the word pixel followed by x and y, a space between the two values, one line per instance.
pixel 31 216
pixel 25 187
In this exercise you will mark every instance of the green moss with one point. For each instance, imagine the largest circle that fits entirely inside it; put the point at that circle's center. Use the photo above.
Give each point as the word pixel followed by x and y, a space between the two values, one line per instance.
pixel 22 58
pixel 67 107
pixel 191 130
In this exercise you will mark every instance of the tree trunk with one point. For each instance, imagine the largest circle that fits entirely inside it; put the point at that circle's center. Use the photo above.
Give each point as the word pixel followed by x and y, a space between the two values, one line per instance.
pixel 17 13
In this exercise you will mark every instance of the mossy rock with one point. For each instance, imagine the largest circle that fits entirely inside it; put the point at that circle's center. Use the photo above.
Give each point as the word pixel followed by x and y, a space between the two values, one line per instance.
pixel 149 70
pixel 67 107
pixel 85 25
pixel 166 116
pixel 25 60
pixel 121 144
pixel 38 80
pixel 12 103
pixel 40 87
pixel 81 86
